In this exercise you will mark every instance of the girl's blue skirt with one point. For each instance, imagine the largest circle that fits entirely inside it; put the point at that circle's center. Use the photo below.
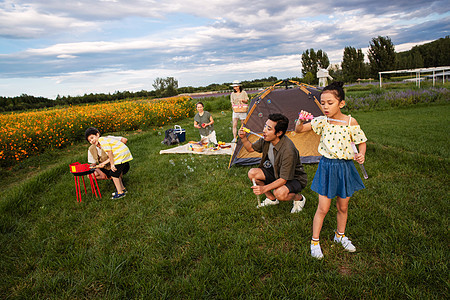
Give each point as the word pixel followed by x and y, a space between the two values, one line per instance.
pixel 336 177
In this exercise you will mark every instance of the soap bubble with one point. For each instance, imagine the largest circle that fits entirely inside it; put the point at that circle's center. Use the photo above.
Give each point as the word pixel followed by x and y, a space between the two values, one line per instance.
pixel 260 115
pixel 172 162
pixel 159 133
pixel 293 133
pixel 222 112
pixel 269 101
pixel 296 120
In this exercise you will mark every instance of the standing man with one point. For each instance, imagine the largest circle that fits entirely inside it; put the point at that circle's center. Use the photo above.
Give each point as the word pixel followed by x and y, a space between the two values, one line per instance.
pixel 280 175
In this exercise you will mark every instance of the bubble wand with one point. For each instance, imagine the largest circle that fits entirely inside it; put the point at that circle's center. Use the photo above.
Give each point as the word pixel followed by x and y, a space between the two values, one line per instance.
pixel 306 116
pixel 245 129
pixel 257 196
pixel 363 170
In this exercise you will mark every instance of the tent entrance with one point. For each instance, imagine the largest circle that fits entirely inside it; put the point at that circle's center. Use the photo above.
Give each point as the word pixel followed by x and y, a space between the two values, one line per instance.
pixel 288 101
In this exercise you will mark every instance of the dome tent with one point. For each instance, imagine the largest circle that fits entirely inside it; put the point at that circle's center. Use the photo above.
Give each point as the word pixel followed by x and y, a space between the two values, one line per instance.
pixel 288 101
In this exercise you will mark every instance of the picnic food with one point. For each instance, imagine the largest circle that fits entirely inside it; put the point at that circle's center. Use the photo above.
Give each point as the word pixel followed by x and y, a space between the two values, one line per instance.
pixel 196 147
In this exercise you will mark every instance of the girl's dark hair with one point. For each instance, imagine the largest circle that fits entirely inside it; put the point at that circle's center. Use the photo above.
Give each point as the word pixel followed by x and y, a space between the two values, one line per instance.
pixel 90 131
pixel 336 87
pixel 199 103
pixel 240 89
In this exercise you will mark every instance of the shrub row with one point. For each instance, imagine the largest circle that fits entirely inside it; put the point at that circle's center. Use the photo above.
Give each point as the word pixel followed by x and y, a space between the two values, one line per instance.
pixel 394 99
pixel 29 133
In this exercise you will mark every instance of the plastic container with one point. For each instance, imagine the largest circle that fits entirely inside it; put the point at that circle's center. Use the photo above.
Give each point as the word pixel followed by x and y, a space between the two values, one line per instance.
pixel 79 168
pixel 196 148
pixel 180 132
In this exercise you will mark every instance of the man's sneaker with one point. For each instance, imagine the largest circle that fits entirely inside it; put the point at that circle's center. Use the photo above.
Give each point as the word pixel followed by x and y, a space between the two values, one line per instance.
pixel 118 196
pixel 316 251
pixel 268 202
pixel 345 242
pixel 115 193
pixel 298 205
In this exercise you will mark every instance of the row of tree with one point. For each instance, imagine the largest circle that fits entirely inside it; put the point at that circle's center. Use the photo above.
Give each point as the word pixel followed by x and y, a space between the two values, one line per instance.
pixel 25 102
pixel 163 87
pixel 381 56
pixel 167 87
pixel 434 54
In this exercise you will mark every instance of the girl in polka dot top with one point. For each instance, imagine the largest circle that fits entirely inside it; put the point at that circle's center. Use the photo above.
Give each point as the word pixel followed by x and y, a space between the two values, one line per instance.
pixel 336 175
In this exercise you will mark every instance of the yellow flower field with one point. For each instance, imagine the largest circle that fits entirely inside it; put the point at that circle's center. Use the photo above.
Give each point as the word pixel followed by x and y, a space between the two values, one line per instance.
pixel 28 133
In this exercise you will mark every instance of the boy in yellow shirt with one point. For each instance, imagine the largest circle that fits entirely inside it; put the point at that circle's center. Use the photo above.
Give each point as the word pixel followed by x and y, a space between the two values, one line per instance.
pixel 119 156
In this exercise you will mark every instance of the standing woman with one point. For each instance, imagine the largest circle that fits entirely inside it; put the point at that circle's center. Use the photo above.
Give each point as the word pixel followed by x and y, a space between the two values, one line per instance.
pixel 239 100
pixel 205 124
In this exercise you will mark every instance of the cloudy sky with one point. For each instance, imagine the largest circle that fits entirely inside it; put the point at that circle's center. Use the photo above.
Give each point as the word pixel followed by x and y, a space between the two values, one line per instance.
pixel 51 47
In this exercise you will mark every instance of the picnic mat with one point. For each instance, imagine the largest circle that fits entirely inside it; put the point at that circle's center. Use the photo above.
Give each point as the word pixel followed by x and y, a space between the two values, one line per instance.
pixel 186 149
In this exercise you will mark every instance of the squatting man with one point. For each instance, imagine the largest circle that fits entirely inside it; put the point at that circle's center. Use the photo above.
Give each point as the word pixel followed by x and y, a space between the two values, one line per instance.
pixel 280 175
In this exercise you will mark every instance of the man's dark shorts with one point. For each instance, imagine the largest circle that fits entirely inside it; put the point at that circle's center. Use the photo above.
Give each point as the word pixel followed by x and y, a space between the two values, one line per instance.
pixel 121 169
pixel 294 186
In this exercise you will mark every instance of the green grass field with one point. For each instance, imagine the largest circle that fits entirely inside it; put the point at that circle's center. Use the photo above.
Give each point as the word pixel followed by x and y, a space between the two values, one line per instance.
pixel 190 229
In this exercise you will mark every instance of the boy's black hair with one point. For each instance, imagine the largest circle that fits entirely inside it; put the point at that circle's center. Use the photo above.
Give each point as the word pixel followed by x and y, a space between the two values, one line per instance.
pixel 336 87
pixel 282 123
pixel 90 131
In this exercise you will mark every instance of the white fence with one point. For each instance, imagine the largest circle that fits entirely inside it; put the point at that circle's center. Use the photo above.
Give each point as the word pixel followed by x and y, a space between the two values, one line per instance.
pixel 437 71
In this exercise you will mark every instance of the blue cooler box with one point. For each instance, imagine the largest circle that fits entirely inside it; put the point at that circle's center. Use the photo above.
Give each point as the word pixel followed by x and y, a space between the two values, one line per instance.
pixel 180 132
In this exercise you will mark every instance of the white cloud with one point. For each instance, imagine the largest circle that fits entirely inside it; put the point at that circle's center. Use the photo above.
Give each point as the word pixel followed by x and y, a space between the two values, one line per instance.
pixel 408 46
pixel 82 46
pixel 26 22
pixel 182 58
pixel 66 56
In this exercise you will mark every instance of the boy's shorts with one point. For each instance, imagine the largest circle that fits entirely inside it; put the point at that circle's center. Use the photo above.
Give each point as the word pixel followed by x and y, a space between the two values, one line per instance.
pixel 294 186
pixel 121 169
pixel 107 172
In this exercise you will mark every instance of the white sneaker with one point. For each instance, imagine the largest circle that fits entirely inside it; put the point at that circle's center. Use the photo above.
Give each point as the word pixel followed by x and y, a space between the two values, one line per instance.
pixel 268 202
pixel 298 205
pixel 345 242
pixel 316 251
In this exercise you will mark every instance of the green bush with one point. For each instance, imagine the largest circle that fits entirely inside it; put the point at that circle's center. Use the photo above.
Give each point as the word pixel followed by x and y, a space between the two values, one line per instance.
pixel 214 103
